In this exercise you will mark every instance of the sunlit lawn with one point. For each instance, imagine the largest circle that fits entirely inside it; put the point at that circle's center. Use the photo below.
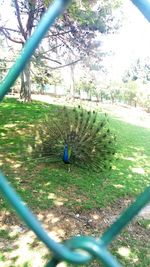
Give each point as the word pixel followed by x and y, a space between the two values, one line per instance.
pixel 46 185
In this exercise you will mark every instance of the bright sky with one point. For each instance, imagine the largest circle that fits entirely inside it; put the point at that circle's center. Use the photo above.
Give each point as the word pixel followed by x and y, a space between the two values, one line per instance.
pixel 132 41
pixel 6 11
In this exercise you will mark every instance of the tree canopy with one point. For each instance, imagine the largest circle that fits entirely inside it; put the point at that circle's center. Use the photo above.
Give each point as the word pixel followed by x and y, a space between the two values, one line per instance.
pixel 70 40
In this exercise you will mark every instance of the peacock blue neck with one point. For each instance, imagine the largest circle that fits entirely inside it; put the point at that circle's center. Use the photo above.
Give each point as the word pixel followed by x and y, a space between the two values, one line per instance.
pixel 66 156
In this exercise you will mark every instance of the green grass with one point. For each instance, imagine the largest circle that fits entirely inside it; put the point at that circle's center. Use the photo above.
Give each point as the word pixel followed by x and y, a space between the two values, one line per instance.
pixel 131 250
pixel 145 223
pixel 44 185
pixel 83 188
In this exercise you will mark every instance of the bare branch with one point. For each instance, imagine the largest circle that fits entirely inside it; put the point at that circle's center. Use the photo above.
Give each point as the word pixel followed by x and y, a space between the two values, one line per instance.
pixel 66 65
pixel 8 29
pixel 54 60
pixel 65 43
pixel 45 57
pixel 40 54
pixel 58 33
pixel 45 52
pixel 7 35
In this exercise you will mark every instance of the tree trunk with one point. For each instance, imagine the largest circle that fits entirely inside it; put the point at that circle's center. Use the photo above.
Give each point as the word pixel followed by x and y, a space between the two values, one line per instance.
pixel 55 90
pixel 90 95
pixel 72 82
pixel 97 98
pixel 25 92
pixel 112 99
pixel 135 103
pixel 101 97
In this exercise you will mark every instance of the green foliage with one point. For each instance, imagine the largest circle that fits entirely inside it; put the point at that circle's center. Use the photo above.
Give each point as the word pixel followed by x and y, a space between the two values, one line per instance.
pixel 85 86
pixel 130 93
pixel 93 15
pixel 114 91
pixel 86 133
pixel 147 104
pixel 138 70
pixel 44 77
pixel 136 83
pixel 85 13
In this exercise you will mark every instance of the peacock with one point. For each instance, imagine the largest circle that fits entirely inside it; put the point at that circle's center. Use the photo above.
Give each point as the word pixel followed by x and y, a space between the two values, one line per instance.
pixel 76 136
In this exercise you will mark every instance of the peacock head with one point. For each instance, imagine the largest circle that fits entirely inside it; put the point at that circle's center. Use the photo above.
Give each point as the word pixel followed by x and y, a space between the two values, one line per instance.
pixel 66 146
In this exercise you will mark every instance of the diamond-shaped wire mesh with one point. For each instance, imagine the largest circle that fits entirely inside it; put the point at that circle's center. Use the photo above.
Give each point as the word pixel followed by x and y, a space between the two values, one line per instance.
pixel 95 248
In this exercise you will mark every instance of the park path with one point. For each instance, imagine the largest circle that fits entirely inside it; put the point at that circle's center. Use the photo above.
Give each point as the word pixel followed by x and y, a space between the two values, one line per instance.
pixel 145 213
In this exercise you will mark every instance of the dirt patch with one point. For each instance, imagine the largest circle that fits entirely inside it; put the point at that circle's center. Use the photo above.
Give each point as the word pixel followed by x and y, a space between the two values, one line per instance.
pixel 74 223
pixel 64 223
pixel 61 224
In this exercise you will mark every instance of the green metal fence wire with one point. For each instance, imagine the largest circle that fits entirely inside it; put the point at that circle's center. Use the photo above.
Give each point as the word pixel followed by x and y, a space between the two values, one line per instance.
pixel 143 6
pixel 94 248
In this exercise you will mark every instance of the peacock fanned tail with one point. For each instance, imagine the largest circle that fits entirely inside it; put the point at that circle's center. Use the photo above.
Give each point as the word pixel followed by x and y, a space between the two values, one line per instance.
pixel 85 134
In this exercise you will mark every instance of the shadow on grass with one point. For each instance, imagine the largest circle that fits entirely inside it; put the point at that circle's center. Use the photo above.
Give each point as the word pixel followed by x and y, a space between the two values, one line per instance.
pixel 80 189
pixel 45 186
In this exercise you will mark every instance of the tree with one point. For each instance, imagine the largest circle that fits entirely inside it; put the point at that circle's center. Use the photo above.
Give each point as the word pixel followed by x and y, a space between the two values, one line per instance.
pixel 3 62
pixel 73 34
pixel 136 80
pixel 131 93
pixel 115 91
pixel 138 70
pixel 147 104
pixel 45 79
pixel 27 14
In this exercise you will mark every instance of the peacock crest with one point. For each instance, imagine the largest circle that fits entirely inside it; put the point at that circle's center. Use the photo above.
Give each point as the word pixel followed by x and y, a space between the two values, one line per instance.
pixel 76 136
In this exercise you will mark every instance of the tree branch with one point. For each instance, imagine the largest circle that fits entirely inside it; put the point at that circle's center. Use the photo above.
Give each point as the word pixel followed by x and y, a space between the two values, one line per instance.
pixel 8 29
pixel 45 52
pixel 58 33
pixel 7 35
pixel 59 37
pixel 19 19
pixel 66 65
pixel 54 60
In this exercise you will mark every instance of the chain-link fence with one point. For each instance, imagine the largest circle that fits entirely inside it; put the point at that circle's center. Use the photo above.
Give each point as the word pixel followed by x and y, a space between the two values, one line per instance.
pixel 68 251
